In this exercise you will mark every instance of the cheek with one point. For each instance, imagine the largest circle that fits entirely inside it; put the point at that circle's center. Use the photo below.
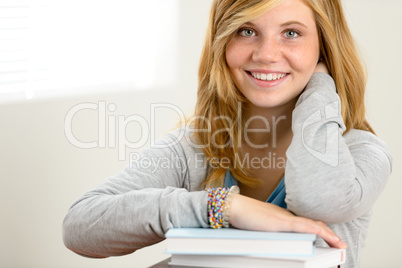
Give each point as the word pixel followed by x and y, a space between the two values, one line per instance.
pixel 303 59
pixel 237 54
pixel 232 56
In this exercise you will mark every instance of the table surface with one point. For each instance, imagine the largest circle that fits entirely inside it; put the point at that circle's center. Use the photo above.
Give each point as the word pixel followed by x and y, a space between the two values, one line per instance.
pixel 164 264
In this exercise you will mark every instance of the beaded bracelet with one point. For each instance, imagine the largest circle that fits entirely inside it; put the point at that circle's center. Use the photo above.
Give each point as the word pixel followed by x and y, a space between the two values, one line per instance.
pixel 228 202
pixel 219 201
pixel 216 201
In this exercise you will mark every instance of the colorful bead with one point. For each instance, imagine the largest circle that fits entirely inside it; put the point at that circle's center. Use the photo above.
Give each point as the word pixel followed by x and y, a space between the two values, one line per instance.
pixel 216 203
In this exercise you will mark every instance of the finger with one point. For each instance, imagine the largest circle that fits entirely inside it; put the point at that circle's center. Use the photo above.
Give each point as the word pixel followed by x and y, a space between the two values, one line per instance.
pixel 303 225
pixel 329 236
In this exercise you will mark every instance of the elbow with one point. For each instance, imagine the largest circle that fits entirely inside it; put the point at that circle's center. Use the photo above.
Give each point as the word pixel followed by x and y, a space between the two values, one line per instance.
pixel 76 241
pixel 329 215
pixel 302 205
pixel 329 209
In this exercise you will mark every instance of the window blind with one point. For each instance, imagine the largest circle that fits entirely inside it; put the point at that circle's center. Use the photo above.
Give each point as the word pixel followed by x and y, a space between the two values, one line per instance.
pixel 58 47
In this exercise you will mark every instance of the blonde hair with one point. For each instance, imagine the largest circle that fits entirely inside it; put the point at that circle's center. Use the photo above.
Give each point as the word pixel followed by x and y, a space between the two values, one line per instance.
pixel 344 62
pixel 217 108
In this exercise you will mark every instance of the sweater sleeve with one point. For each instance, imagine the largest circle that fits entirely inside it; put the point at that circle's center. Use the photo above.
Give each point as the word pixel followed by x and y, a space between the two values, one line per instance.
pixel 137 206
pixel 331 177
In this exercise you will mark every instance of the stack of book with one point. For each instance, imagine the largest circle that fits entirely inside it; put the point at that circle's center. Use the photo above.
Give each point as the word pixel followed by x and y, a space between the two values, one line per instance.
pixel 233 248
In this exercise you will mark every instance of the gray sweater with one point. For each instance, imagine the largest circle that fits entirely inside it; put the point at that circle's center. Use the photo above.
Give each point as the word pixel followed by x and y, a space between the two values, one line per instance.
pixel 330 177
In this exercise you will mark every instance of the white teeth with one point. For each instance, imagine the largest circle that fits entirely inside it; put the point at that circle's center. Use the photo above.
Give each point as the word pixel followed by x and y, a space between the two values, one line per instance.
pixel 268 77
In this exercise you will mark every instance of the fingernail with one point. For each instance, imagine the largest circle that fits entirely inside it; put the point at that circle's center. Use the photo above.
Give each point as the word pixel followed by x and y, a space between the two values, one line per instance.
pixel 336 238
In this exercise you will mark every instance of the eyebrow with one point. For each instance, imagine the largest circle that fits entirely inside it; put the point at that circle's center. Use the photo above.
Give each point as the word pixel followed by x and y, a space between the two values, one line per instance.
pixel 283 24
pixel 293 22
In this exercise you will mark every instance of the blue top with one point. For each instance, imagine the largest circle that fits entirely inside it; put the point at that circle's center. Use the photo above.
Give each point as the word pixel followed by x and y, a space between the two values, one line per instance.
pixel 277 197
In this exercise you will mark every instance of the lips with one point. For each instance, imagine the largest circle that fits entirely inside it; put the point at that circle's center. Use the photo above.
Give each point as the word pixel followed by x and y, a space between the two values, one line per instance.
pixel 267 78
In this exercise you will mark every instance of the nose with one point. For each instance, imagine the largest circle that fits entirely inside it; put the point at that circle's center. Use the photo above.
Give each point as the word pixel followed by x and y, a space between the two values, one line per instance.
pixel 267 50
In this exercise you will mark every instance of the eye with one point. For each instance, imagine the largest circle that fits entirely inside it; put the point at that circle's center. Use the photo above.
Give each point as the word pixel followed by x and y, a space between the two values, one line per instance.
pixel 246 32
pixel 292 34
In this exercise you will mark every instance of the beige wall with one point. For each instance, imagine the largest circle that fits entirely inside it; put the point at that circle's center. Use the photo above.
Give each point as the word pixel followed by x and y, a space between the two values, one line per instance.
pixel 42 173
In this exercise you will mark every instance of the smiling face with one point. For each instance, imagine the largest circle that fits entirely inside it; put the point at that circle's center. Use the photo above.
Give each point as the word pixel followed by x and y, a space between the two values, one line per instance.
pixel 272 58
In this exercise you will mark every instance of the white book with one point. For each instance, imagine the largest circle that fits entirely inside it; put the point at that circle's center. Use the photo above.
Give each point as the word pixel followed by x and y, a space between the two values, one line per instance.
pixel 323 258
pixel 230 241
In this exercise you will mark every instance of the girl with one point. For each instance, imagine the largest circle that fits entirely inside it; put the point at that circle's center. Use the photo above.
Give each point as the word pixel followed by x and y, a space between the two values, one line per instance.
pixel 280 114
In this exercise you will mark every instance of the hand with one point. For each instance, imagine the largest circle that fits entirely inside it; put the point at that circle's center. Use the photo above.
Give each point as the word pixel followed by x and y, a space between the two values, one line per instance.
pixel 251 214
pixel 321 68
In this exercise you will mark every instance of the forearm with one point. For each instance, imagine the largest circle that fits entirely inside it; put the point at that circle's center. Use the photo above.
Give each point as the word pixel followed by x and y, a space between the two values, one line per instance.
pixel 101 225
pixel 325 178
pixel 134 208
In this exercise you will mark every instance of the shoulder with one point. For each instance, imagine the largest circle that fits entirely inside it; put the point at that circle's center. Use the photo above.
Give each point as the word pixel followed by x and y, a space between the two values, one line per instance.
pixel 180 142
pixel 176 149
pixel 180 138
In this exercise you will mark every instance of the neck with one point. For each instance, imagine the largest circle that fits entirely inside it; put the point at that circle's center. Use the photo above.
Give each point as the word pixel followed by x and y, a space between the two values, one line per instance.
pixel 267 127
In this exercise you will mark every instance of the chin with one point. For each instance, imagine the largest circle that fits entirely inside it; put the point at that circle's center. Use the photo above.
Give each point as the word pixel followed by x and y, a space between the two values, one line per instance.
pixel 272 103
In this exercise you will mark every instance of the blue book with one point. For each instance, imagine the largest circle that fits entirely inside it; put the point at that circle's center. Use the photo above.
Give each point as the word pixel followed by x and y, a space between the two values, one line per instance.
pixel 230 241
